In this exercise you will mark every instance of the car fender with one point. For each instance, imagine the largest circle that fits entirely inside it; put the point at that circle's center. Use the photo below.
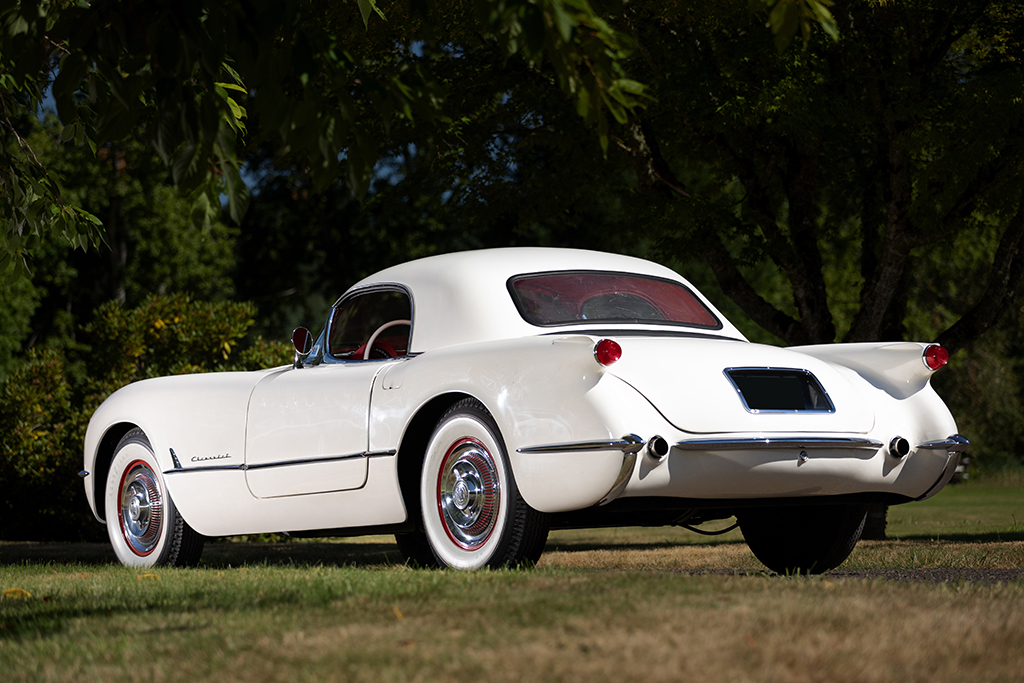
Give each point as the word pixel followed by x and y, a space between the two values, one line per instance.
pixel 541 391
pixel 897 368
pixel 201 418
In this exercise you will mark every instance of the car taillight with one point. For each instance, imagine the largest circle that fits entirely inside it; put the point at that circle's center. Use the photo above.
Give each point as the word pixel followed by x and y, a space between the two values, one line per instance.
pixel 607 351
pixel 935 357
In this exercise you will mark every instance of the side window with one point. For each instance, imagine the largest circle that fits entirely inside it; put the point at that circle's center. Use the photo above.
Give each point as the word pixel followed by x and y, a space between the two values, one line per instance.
pixel 370 326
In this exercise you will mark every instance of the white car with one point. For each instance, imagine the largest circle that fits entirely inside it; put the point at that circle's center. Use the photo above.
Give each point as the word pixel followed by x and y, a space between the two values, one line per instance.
pixel 470 402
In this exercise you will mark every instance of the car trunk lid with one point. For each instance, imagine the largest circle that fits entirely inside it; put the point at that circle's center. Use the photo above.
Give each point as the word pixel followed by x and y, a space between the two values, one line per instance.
pixel 712 386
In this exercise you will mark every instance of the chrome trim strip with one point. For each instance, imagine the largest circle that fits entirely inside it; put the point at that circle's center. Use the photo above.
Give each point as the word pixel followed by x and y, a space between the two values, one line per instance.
pixel 784 442
pixel 627 444
pixel 947 474
pixel 207 468
pixel 307 461
pixel 630 445
pixel 628 461
pixel 953 444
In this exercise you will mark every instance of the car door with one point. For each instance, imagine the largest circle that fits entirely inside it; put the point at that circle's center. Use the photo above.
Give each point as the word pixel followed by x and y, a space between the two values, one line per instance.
pixel 306 430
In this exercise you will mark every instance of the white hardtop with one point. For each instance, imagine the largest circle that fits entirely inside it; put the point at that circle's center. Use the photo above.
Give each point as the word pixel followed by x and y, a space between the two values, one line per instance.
pixel 463 297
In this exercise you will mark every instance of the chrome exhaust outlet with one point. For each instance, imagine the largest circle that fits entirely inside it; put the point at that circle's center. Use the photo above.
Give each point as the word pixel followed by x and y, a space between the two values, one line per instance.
pixel 899 447
pixel 657 448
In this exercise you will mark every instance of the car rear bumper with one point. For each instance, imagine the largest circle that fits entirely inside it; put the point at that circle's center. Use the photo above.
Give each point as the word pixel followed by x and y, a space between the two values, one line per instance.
pixel 740 467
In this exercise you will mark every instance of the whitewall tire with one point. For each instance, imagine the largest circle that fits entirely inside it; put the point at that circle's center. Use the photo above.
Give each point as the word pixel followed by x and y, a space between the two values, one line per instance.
pixel 143 524
pixel 473 515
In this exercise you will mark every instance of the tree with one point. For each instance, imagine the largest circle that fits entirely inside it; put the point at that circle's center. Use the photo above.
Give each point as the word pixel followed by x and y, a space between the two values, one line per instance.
pixel 153 245
pixel 189 75
pixel 834 192
pixel 895 140
pixel 195 77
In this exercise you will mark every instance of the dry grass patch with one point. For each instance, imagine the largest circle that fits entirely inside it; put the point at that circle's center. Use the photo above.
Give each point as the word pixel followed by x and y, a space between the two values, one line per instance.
pixel 622 605
pixel 610 624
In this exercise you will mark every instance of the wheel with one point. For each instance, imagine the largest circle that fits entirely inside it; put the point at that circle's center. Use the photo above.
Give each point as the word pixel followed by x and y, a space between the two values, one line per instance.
pixel 473 515
pixel 142 522
pixel 802 539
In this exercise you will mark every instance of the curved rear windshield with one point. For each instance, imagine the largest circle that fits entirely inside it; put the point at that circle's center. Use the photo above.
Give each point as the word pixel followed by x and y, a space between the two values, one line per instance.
pixel 567 298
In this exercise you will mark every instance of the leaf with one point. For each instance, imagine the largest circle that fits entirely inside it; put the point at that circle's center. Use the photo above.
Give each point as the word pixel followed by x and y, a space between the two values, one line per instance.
pixel 784 21
pixel 825 19
pixel 71 131
pixel 233 86
pixel 184 164
pixel 238 194
pixel 564 22
pixel 366 7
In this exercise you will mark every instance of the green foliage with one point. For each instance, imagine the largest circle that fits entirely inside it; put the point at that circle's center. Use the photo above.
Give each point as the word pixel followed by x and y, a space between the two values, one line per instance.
pixel 261 354
pixel 319 80
pixel 191 76
pixel 983 388
pixel 41 432
pixel 153 244
pixel 16 307
pixel 170 335
pixel 788 16
pixel 46 402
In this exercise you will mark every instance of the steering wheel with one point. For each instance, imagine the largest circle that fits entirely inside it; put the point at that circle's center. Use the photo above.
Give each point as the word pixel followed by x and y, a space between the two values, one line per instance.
pixel 373 338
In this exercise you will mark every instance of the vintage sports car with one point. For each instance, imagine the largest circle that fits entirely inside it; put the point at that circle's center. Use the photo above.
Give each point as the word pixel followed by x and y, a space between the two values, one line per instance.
pixel 470 402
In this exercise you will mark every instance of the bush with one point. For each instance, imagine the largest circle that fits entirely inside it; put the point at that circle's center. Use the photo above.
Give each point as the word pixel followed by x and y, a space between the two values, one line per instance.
pixel 47 400
pixel 165 335
pixel 983 390
pixel 40 452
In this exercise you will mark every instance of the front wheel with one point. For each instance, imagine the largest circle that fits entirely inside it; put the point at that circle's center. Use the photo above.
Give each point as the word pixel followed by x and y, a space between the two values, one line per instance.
pixel 808 539
pixel 144 526
pixel 473 515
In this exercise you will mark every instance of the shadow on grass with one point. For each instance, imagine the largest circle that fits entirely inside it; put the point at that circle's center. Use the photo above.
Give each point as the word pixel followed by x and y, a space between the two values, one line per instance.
pixel 216 555
pixel 223 554
pixel 583 546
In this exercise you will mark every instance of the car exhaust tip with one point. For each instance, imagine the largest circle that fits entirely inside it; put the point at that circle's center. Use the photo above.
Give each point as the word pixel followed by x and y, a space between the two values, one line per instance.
pixel 899 447
pixel 657 448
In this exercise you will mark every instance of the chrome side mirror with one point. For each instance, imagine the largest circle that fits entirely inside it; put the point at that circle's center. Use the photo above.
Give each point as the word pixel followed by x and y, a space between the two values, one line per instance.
pixel 302 340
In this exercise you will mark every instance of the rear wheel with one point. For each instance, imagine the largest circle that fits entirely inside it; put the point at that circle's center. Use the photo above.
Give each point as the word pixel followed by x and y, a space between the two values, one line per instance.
pixel 144 526
pixel 473 515
pixel 802 539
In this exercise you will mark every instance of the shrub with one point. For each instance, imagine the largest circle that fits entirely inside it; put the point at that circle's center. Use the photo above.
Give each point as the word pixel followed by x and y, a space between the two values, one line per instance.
pixel 46 402
pixel 41 432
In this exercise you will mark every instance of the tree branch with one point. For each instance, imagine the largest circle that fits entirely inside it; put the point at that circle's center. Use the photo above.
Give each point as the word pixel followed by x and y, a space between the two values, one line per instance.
pixel 737 288
pixel 1004 278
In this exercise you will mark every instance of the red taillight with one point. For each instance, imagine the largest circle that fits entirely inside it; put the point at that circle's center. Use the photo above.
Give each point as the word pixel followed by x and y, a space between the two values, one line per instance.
pixel 935 357
pixel 607 352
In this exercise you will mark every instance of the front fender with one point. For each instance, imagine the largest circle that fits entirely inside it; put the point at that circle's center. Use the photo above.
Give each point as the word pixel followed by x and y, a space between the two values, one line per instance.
pixel 200 417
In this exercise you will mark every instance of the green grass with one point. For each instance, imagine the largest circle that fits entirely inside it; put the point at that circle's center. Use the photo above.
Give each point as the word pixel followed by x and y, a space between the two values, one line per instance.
pixel 966 511
pixel 617 604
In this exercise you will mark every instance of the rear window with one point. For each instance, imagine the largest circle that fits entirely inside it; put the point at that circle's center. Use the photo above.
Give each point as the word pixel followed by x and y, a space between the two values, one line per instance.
pixel 567 298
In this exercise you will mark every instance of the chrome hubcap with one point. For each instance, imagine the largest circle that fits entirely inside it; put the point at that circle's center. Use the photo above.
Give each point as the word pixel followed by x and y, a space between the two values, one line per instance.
pixel 468 493
pixel 141 511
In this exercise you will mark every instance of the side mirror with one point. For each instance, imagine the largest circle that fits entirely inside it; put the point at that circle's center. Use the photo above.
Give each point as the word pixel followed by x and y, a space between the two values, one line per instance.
pixel 302 340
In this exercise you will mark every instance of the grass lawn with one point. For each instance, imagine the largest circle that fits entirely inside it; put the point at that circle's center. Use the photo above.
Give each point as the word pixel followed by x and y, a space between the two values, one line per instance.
pixel 619 604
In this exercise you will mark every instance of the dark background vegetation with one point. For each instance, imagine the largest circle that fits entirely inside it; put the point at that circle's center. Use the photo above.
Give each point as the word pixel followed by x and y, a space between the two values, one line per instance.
pixel 860 189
